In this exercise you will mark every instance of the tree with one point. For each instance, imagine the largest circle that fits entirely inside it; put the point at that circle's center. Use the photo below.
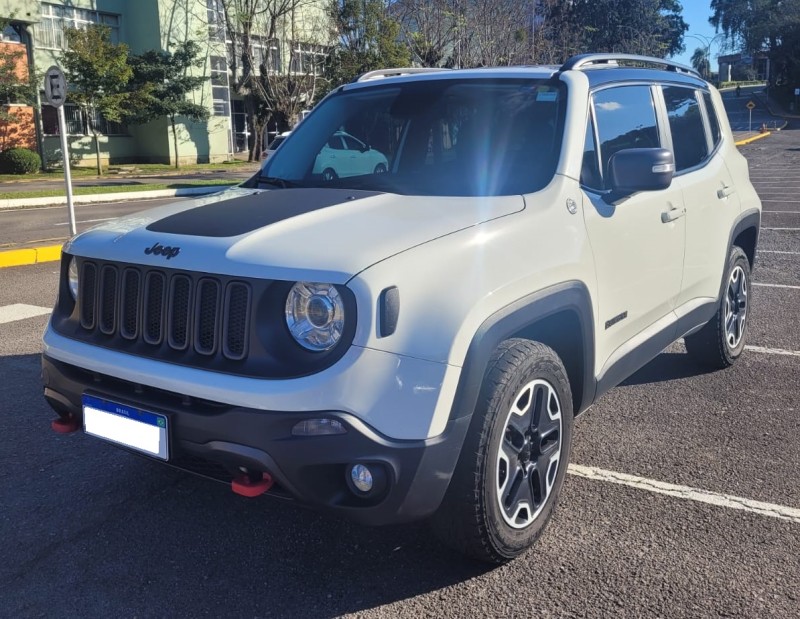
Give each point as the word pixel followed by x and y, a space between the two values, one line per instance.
pixel 369 39
pixel 97 72
pixel 700 61
pixel 770 26
pixel 17 85
pixel 160 84
pixel 646 27
pixel 270 86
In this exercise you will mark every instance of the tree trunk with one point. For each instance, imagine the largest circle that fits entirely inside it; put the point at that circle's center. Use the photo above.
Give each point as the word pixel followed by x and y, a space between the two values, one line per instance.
pixel 175 141
pixel 90 120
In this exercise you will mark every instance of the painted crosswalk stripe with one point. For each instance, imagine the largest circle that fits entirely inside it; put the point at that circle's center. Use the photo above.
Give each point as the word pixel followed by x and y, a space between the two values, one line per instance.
pixel 687 492
pixel 21 311
pixel 773 351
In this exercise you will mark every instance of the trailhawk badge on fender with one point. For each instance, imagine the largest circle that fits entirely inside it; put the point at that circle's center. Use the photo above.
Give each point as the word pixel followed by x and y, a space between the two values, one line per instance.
pixel 159 250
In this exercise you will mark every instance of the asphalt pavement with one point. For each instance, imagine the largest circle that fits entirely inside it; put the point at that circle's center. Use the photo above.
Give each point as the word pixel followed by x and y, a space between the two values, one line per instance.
pixel 684 500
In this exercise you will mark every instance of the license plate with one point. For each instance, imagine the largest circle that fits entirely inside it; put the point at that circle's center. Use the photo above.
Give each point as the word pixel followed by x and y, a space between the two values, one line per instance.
pixel 125 425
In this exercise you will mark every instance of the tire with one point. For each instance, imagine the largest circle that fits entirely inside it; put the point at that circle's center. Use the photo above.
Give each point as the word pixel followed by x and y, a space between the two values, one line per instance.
pixel 329 174
pixel 380 169
pixel 482 515
pixel 721 341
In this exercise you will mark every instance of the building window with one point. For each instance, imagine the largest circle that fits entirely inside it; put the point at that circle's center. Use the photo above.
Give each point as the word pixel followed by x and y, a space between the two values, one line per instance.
pixel 57 18
pixel 76 122
pixel 216 20
pixel 220 92
pixel 266 53
pixel 307 58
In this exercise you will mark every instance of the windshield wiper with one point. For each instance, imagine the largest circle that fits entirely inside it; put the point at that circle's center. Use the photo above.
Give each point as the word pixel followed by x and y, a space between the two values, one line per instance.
pixel 278 182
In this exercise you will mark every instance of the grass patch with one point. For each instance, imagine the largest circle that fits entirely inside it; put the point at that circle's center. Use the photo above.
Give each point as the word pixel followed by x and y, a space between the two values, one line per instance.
pixel 100 189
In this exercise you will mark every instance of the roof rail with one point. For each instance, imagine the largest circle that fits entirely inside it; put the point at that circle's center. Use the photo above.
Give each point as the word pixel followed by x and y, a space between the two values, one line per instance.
pixel 585 60
pixel 382 73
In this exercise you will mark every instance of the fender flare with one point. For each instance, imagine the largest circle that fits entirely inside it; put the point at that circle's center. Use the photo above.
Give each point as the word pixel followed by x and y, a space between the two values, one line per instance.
pixel 512 319
pixel 750 219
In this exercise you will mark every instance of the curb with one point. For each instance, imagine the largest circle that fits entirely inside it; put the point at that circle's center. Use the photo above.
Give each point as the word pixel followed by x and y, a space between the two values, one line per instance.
pixel 113 197
pixel 753 139
pixel 30 255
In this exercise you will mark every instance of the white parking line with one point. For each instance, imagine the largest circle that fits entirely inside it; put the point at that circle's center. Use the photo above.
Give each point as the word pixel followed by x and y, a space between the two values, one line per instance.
pixel 20 311
pixel 773 351
pixel 784 212
pixel 790 229
pixel 686 492
pixel 782 201
pixel 776 286
pixel 775 251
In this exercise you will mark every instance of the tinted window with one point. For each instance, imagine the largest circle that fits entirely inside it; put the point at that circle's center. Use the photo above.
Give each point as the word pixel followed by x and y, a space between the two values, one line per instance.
pixel 626 118
pixel 475 137
pixel 590 172
pixel 716 134
pixel 352 144
pixel 686 126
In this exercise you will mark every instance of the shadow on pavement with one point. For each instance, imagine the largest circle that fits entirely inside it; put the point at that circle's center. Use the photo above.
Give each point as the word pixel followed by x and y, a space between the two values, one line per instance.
pixel 667 366
pixel 92 530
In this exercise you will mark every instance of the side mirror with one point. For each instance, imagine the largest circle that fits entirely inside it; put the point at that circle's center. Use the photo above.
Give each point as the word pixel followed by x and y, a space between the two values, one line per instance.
pixel 365 148
pixel 639 169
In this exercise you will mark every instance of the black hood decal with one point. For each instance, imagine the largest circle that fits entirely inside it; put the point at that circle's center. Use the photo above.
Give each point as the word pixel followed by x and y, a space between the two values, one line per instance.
pixel 242 215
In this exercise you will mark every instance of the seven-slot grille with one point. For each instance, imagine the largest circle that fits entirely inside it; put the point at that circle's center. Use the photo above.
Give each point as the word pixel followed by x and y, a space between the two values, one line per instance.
pixel 208 315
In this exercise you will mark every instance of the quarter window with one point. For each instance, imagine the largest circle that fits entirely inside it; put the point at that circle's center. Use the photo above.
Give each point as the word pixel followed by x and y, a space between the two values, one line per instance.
pixel 686 126
pixel 626 118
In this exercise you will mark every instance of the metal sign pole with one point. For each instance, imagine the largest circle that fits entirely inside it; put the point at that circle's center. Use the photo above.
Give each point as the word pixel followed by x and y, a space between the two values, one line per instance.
pixel 62 130
pixel 751 120
pixel 55 91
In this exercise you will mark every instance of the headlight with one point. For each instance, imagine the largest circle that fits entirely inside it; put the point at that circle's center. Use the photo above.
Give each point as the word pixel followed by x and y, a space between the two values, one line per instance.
pixel 72 278
pixel 315 315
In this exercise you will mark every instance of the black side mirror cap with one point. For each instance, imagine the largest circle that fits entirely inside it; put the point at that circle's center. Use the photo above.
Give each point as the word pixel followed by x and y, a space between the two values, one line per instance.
pixel 639 169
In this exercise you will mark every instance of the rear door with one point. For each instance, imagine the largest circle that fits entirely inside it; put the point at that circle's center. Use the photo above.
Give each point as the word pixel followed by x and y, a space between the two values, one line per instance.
pixel 708 192
pixel 638 244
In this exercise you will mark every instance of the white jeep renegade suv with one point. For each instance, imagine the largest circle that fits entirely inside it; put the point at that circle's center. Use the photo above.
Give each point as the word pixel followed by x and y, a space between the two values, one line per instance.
pixel 416 341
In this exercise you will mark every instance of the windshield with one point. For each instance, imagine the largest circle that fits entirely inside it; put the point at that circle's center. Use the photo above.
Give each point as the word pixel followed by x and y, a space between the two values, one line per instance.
pixel 479 137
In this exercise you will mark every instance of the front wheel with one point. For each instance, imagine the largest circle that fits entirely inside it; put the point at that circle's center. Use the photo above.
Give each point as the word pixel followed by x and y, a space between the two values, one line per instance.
pixel 721 341
pixel 515 456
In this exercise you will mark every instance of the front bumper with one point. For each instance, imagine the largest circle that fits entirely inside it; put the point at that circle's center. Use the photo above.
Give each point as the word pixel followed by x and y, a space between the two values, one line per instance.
pixel 219 440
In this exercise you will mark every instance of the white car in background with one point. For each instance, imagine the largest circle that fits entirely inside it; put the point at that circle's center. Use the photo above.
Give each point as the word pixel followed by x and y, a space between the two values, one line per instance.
pixel 273 146
pixel 344 155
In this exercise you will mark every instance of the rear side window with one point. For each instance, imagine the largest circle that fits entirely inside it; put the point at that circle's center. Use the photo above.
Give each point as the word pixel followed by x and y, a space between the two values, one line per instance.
pixel 626 118
pixel 686 126
pixel 716 134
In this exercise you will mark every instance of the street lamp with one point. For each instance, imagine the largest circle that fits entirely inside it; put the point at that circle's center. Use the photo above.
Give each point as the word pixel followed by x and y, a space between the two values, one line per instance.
pixel 707 42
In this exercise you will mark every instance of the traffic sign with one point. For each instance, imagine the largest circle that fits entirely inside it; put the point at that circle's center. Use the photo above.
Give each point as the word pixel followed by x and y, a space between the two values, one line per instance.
pixel 55 86
pixel 750 105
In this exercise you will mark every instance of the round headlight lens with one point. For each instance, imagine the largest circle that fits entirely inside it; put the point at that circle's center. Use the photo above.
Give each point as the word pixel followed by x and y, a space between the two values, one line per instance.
pixel 72 278
pixel 315 315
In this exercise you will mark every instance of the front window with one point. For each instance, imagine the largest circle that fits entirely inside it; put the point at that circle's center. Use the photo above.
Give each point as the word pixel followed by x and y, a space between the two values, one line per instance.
pixel 478 137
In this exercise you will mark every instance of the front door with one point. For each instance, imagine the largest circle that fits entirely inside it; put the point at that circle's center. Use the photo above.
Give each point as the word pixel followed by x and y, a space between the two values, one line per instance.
pixel 638 244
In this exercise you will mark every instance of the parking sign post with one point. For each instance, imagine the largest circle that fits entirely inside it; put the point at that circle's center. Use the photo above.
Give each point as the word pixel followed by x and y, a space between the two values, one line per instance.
pixel 750 106
pixel 55 90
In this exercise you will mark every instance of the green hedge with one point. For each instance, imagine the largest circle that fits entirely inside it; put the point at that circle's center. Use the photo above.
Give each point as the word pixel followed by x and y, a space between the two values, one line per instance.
pixel 19 161
pixel 735 84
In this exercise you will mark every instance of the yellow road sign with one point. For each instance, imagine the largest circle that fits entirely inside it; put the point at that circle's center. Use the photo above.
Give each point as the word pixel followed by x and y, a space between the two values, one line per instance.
pixel 750 105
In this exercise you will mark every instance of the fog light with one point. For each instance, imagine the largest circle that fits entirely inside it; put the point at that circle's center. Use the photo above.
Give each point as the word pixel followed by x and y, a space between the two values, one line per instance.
pixel 318 427
pixel 361 477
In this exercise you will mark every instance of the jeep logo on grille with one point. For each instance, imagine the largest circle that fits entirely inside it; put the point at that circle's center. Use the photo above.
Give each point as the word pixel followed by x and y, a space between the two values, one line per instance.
pixel 159 250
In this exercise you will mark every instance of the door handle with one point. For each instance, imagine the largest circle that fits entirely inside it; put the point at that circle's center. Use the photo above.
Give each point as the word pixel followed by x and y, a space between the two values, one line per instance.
pixel 725 192
pixel 672 215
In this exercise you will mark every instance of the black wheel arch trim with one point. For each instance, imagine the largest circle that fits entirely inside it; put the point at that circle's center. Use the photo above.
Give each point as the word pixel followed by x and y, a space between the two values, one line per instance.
pixel 749 220
pixel 572 296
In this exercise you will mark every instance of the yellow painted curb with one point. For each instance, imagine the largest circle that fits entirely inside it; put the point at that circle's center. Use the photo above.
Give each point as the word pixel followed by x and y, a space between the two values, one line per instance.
pixel 753 139
pixel 31 255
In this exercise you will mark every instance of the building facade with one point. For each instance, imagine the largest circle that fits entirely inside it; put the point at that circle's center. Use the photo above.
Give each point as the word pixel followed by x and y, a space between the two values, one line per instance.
pixel 160 25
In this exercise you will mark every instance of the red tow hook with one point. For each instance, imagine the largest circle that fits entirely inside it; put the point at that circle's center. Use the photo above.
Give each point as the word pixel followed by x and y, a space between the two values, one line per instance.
pixel 245 486
pixel 65 425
